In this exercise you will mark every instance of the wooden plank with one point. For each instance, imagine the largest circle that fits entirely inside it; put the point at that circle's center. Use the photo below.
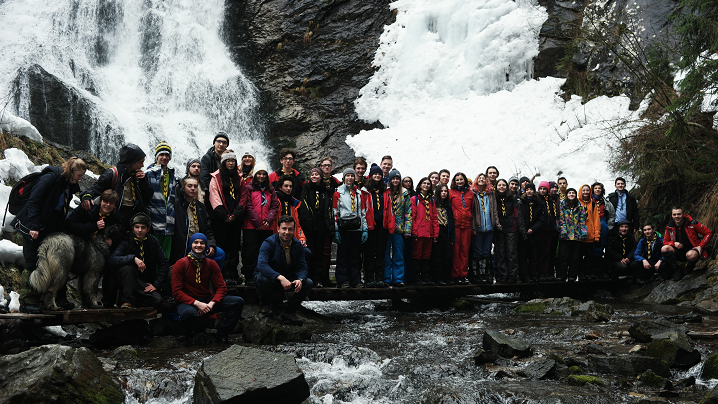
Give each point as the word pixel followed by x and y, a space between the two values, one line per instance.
pixel 24 316
pixel 703 334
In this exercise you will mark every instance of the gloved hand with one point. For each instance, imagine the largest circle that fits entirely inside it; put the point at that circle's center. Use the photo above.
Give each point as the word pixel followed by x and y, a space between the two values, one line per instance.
pixel 337 238
pixel 364 236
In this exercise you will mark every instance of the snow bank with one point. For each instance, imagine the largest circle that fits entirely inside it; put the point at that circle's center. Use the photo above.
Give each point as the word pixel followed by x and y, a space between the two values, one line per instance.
pixel 10 253
pixel 454 91
pixel 18 126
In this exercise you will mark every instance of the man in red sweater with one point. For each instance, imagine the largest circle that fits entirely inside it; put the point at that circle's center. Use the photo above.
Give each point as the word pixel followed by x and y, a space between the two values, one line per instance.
pixel 191 279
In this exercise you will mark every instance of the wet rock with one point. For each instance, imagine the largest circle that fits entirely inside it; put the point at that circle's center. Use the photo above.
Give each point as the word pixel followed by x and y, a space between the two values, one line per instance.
pixel 710 367
pixel 636 349
pixel 627 365
pixel 684 290
pixel 708 306
pixel 652 400
pixel 125 353
pixel 485 357
pixel 505 346
pixel 652 380
pixel 576 370
pixel 563 23
pixel 538 370
pixel 328 353
pixel 162 343
pixel 591 335
pixel 262 330
pixel 241 374
pixel 130 332
pixel 576 380
pixel 589 311
pixel 571 361
pixel 593 312
pixel 504 374
pixel 597 350
pixel 685 318
pixel 648 330
pixel 687 382
pixel 58 374
pixel 560 372
pixel 676 350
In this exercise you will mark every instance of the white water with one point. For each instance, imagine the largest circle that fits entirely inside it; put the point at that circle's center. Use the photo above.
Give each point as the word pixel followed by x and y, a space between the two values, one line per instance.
pixel 159 70
pixel 454 90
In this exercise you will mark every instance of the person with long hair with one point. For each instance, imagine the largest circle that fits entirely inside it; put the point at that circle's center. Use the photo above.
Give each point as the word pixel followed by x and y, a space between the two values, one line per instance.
pixel 485 219
pixel 442 253
pixel 548 240
pixel 462 204
pixel 534 214
pixel 607 215
pixel 261 211
pixel 377 222
pixel 434 178
pixel 507 231
pixel 424 231
pixel 246 169
pixel 408 184
pixel 317 220
pixel 593 224
pixel 399 226
pixel 573 230
pixel 350 230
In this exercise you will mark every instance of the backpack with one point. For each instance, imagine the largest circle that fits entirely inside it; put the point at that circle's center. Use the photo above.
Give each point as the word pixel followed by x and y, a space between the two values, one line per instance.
pixel 20 193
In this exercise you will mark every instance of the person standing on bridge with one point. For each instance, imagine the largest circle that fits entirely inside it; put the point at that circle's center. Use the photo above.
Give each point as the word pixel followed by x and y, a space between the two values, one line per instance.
pixel 317 221
pixel 287 157
pixel 399 225
pixel 162 203
pixel 261 211
pixel 507 231
pixel 210 163
pixel 425 231
pixel 378 217
pixel 350 230
pixel 484 221
pixel 462 204
pixel 573 230
pixel 442 253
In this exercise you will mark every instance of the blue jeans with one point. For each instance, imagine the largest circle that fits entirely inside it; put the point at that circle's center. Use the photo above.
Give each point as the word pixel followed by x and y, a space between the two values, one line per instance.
pixel 481 244
pixel 265 287
pixel 231 304
pixel 598 248
pixel 394 259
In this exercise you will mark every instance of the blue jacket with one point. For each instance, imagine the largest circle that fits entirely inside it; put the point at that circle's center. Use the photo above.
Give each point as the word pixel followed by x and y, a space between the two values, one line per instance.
pixel 48 204
pixel 271 259
pixel 162 212
pixel 642 249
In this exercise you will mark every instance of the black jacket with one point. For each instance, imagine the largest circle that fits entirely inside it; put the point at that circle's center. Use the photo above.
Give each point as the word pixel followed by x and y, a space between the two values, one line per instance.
pixel 209 163
pixel 632 213
pixel 315 211
pixel 154 258
pixel 129 154
pixel 534 213
pixel 48 204
pixel 83 222
pixel 181 236
pixel 616 245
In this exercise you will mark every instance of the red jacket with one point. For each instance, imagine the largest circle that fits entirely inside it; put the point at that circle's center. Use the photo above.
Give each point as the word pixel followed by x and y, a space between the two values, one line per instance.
pixel 255 213
pixel 698 234
pixel 185 288
pixel 462 210
pixel 423 226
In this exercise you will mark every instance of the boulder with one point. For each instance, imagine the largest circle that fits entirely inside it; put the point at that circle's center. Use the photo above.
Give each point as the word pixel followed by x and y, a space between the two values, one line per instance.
pixel 676 351
pixel 242 374
pixel 262 330
pixel 483 357
pixel 589 311
pixel 538 370
pixel 627 365
pixel 58 374
pixel 125 353
pixel 580 380
pixel 649 330
pixel 505 346
pixel 651 380
pixel 710 367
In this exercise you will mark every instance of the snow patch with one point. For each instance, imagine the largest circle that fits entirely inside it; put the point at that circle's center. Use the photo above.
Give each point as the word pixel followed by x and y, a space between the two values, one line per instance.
pixel 17 126
pixel 10 253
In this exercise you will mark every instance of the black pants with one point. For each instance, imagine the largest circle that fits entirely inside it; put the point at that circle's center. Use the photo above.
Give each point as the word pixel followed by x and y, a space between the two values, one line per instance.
pixel 374 250
pixel 132 288
pixel 588 260
pixel 442 257
pixel 28 295
pixel 553 253
pixel 253 240
pixel 569 259
pixel 528 258
pixel 507 250
pixel 315 243
pixel 639 272
pixel 265 287
pixel 543 254
pixel 348 258
pixel 618 268
pixel 229 237
pixel 231 305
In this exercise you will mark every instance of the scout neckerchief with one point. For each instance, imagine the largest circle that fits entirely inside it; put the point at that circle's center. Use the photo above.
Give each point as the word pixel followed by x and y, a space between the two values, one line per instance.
pixel 650 243
pixel 141 244
pixel 102 217
pixel 197 261
pixel 165 182
pixel 425 199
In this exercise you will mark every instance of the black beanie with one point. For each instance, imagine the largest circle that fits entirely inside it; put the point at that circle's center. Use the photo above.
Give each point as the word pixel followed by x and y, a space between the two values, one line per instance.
pixel 223 135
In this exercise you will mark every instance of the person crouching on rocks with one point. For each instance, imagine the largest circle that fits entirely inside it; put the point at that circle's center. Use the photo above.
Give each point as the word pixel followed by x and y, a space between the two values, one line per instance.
pixel 686 241
pixel 142 267
pixel 199 290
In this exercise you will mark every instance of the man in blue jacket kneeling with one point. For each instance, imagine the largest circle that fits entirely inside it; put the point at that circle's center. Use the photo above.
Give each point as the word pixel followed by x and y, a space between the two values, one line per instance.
pixel 282 266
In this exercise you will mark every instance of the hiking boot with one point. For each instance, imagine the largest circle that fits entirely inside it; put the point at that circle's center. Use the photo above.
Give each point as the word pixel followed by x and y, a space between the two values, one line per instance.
pixel 359 286
pixel 266 311
pixel 344 285
pixel 126 306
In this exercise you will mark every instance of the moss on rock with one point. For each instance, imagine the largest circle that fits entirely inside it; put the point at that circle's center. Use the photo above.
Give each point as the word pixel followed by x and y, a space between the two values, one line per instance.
pixel 531 308
pixel 580 380
pixel 710 367
pixel 576 370
pixel 662 349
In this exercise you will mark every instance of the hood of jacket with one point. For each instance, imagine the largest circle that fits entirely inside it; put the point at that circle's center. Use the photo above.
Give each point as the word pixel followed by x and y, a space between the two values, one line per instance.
pixel 130 154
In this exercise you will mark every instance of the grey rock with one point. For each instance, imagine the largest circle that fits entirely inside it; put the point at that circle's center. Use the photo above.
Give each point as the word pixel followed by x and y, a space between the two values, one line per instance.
pixel 671 291
pixel 676 350
pixel 505 346
pixel 538 370
pixel 652 400
pixel 627 365
pixel 597 350
pixel 649 330
pixel 58 374
pixel 571 361
pixel 262 330
pixel 483 357
pixel 125 353
pixel 241 374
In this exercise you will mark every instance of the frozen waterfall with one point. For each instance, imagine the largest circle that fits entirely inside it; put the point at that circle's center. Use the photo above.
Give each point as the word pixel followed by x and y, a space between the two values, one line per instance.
pixel 150 70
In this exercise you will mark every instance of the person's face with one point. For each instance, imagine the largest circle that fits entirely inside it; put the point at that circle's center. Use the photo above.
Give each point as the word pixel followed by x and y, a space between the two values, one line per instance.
pixel 247 160
pixel 395 181
pixel 553 190
pixel 530 192
pixel 677 215
pixel 315 177
pixel 77 176
pixel 406 182
pixel 107 207
pixel 140 230
pixel 444 178
pixel 434 179
pixel 377 177
pixel 349 179
pixel 194 169
pixel 286 187
pixel 231 164
pixel 460 181
pixel 190 188
pixel 360 169
pixel 288 161
pixel 481 180
pixel 220 145
pixel 597 190
pixel 585 192
pixel 513 186
pixel 501 186
pixel 198 246
pixel 326 167
pixel 648 231
pixel 426 186
pixel 492 174
pixel 163 159
pixel 444 193
pixel 543 191
pixel 286 231
pixel 620 185
pixel 136 165
pixel 571 195
pixel 623 229
pixel 261 176
pixel 562 184
pixel 386 166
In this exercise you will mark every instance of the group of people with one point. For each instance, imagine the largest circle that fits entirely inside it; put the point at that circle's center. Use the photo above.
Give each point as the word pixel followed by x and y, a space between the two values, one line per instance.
pixel 186 231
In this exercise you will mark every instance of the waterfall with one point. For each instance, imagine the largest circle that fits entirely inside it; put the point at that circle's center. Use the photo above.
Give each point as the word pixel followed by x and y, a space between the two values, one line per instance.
pixel 146 70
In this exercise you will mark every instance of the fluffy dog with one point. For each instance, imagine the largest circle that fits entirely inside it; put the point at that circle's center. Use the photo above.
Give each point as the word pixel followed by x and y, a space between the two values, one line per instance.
pixel 60 253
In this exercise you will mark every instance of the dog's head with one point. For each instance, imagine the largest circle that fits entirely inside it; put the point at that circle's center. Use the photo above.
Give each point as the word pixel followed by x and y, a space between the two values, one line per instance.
pixel 114 233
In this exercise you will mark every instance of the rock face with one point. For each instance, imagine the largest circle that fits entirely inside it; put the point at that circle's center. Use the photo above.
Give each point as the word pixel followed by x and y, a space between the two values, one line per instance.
pixel 249 375
pixel 505 346
pixel 58 374
pixel 265 331
pixel 627 365
pixel 649 330
pixel 310 59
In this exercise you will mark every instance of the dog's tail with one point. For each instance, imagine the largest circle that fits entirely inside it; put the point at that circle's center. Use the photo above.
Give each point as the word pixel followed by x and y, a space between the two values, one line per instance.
pixel 54 257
